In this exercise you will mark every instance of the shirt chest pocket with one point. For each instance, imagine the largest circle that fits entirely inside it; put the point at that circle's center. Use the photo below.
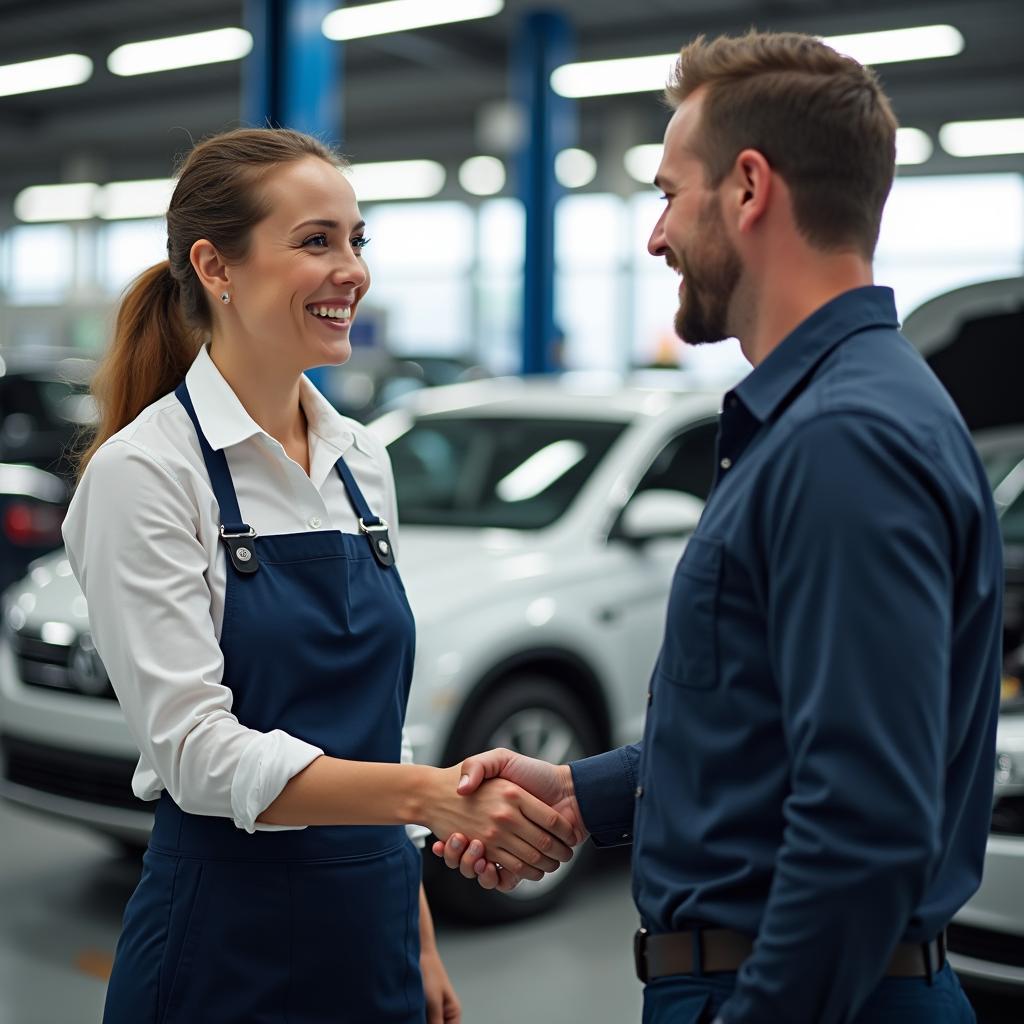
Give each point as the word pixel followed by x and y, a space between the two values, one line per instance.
pixel 689 653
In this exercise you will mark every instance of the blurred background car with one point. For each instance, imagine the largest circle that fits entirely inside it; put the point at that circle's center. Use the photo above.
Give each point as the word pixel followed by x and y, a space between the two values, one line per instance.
pixel 541 524
pixel 44 404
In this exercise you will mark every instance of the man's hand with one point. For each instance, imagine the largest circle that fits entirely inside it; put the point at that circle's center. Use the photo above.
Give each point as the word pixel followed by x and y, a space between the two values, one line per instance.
pixel 551 784
pixel 517 830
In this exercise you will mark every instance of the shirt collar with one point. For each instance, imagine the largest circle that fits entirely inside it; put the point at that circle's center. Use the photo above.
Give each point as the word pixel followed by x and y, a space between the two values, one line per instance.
pixel 789 363
pixel 225 421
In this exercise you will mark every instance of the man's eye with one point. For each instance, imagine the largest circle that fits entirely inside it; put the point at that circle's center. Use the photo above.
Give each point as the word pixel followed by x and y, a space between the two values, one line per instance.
pixel 317 240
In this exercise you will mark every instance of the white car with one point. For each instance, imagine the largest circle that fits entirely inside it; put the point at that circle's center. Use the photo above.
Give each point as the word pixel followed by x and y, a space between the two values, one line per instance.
pixel 541 524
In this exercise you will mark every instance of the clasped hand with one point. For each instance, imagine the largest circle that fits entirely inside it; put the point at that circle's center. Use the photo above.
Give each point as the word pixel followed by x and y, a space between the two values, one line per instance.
pixel 550 785
pixel 512 827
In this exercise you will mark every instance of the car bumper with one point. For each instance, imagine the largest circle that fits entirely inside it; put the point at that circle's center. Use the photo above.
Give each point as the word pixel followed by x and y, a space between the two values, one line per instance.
pixel 986 938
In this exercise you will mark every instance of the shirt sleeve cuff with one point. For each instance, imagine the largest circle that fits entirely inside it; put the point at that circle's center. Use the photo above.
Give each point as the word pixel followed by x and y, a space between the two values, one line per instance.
pixel 266 766
pixel 417 833
pixel 606 792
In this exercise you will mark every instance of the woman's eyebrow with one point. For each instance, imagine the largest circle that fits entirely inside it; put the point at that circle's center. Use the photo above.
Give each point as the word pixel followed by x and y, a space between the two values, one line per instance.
pixel 327 224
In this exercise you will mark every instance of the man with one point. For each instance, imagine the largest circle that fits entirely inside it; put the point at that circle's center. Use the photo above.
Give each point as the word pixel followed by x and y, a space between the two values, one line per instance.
pixel 810 802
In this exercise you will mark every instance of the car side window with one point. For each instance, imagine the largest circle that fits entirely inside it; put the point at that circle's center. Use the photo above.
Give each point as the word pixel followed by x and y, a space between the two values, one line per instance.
pixel 686 463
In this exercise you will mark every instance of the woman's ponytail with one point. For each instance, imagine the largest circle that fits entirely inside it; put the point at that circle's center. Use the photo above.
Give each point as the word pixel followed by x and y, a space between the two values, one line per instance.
pixel 152 349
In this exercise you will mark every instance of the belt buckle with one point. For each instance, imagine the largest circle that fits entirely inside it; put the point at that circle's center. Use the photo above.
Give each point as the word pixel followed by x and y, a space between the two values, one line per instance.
pixel 640 954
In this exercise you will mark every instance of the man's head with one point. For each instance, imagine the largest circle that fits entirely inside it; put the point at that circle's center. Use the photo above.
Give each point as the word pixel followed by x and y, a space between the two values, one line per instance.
pixel 784 106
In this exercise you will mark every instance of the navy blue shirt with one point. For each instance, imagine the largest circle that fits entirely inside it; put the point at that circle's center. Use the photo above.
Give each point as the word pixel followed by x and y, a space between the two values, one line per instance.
pixel 816 769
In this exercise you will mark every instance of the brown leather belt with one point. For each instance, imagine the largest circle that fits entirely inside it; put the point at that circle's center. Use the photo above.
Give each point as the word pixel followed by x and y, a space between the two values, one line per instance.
pixel 707 950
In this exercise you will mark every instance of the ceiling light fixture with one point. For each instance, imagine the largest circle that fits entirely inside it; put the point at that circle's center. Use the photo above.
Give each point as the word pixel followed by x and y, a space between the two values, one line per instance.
pixel 641 162
pixel 188 51
pixel 482 175
pixel 46 73
pixel 575 168
pixel 45 203
pixel 649 74
pixel 378 19
pixel 396 179
pixel 124 200
pixel 983 138
pixel 913 146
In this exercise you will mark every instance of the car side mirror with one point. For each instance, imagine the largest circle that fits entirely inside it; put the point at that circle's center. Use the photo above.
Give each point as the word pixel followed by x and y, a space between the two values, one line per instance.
pixel 659 513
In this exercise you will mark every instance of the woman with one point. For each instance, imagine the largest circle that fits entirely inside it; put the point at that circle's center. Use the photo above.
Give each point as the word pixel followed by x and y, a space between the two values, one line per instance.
pixel 228 535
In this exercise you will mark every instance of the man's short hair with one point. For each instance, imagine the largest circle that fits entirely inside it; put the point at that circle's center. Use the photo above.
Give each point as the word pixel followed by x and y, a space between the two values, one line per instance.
pixel 820 119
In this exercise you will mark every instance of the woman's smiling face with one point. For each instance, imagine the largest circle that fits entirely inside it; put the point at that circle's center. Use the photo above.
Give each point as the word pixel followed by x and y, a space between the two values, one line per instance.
pixel 296 293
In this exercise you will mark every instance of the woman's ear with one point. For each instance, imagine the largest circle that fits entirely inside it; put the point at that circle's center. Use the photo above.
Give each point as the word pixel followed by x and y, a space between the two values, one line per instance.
pixel 213 273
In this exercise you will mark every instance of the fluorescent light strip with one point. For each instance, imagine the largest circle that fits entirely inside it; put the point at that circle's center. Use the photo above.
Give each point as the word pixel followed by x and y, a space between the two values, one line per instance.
pixel 482 175
pixel 642 162
pixel 575 168
pixel 396 179
pixel 47 73
pixel 649 74
pixel 983 138
pixel 913 146
pixel 45 203
pixel 378 19
pixel 153 55
pixel 120 200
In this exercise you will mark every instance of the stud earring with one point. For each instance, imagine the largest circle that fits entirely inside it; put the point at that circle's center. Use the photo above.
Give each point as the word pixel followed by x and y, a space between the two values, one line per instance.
pixel 225 298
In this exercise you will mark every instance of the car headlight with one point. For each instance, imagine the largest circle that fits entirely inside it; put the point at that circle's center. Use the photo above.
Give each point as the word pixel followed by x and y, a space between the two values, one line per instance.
pixel 1009 769
pixel 87 673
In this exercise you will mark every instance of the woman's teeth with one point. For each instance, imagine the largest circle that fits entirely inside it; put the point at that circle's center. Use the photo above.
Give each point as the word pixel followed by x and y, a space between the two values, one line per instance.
pixel 332 312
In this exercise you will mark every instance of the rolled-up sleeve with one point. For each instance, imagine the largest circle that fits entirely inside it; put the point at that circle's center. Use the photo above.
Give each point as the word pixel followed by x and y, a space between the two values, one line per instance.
pixel 132 541
pixel 857 547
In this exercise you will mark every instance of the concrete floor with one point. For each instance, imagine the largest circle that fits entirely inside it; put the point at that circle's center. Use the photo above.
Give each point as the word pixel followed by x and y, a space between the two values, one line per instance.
pixel 62 891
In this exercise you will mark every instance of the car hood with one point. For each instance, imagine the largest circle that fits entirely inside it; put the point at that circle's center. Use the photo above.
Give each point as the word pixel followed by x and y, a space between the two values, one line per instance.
pixel 48 594
pixel 445 569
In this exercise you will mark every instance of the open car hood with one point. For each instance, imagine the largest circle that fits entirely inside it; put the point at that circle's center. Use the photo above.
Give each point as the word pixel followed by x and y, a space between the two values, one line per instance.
pixel 973 338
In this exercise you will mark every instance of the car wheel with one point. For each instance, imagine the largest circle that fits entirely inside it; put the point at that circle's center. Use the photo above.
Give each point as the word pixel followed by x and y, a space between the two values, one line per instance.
pixel 540 717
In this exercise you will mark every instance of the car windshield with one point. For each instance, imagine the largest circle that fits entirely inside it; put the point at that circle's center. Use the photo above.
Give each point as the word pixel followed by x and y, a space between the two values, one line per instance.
pixel 519 474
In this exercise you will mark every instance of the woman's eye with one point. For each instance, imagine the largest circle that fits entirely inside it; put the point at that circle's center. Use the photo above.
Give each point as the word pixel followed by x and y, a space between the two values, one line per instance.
pixel 360 242
pixel 320 241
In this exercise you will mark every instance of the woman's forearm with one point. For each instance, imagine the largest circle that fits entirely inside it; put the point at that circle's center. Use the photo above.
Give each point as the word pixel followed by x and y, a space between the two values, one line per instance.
pixel 518 830
pixel 332 791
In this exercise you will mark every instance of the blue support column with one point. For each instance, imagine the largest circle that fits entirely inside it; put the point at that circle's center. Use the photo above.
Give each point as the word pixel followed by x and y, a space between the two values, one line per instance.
pixel 292 77
pixel 544 43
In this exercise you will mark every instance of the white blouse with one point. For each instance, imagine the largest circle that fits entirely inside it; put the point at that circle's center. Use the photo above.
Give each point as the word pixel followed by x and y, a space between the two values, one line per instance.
pixel 142 538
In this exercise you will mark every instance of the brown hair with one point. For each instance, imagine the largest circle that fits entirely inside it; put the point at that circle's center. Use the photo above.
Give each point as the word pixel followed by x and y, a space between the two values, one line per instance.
pixel 820 119
pixel 164 313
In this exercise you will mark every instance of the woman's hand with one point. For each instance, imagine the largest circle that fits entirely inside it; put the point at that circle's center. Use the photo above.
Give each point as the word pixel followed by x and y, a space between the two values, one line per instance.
pixel 517 830
pixel 443 1005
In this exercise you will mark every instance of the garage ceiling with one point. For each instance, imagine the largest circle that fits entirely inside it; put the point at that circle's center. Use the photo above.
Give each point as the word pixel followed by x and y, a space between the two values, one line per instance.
pixel 420 94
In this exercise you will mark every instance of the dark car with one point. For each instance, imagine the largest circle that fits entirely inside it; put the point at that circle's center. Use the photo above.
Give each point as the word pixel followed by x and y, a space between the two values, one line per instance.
pixel 44 408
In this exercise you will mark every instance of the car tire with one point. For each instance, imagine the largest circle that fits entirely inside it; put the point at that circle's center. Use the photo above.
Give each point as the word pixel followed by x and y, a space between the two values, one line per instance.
pixel 541 717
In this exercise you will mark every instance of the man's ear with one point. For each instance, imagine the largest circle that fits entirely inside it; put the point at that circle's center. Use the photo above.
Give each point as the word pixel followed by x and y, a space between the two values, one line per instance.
pixel 751 187
pixel 213 273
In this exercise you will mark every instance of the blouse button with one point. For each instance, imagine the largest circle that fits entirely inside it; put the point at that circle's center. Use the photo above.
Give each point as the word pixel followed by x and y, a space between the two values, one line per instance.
pixel 314 522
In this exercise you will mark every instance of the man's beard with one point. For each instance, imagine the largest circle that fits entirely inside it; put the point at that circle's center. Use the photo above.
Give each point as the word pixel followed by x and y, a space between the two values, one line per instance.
pixel 704 308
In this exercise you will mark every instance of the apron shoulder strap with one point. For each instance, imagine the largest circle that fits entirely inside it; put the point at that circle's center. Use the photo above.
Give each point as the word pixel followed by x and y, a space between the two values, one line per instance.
pixel 372 527
pixel 235 533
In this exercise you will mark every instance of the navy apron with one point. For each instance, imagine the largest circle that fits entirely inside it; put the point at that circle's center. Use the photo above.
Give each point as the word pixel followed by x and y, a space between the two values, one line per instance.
pixel 311 926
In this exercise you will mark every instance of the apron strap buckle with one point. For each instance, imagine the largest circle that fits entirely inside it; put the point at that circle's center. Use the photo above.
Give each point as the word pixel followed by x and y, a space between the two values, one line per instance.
pixel 380 544
pixel 239 541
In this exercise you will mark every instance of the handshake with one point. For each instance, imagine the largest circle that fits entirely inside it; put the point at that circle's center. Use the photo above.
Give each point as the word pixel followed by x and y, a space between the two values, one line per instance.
pixel 516 818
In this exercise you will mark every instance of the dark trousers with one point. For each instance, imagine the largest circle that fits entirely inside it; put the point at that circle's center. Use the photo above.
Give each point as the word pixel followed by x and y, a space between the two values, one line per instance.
pixel 685 999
